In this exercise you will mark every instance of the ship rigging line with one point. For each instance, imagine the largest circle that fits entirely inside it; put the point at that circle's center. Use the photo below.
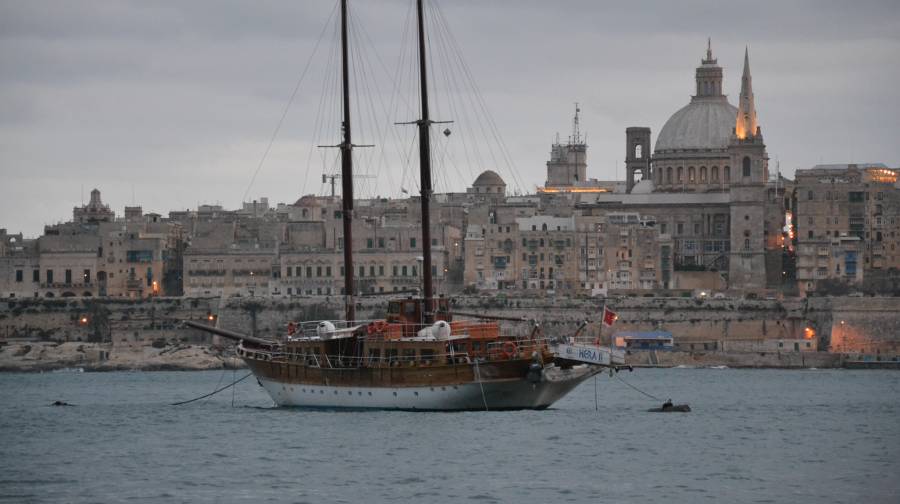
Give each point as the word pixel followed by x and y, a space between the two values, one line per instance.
pixel 288 106
pixel 214 392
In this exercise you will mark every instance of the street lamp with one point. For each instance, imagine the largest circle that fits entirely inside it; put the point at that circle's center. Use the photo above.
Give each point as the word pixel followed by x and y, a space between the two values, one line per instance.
pixel 843 338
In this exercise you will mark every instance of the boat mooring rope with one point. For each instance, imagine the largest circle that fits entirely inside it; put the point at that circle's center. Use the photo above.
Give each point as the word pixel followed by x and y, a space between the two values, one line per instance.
pixel 483 398
pixel 214 392
pixel 651 396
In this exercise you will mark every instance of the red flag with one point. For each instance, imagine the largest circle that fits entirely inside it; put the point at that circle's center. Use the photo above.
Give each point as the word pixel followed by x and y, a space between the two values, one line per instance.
pixel 609 316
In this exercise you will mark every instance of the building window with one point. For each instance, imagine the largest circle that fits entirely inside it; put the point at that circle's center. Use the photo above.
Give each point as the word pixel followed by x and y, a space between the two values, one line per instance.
pixel 68 276
pixel 702 174
pixel 298 271
pixel 680 227
pixel 680 174
pixel 381 243
pixel 372 271
pixel 727 174
pixel 19 275
pixel 370 243
pixel 87 276
pixel 412 243
pixel 328 271
pixel 403 270
pixel 36 276
pixel 290 271
pixel 414 271
pixel 669 175
pixel 380 270
pixel 691 175
pixel 362 271
pixel 746 164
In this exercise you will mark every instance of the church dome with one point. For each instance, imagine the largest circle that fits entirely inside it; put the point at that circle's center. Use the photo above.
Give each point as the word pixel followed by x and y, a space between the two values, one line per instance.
pixel 488 178
pixel 705 123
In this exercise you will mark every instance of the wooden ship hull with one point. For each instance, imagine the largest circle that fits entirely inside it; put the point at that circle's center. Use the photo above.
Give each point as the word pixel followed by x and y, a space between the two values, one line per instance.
pixel 505 385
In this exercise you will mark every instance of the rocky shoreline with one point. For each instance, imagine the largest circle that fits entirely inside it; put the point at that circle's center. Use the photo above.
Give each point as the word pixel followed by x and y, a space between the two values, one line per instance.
pixel 48 356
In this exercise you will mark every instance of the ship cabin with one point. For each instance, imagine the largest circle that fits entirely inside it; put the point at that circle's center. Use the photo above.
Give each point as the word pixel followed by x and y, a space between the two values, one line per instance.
pixel 403 339
pixel 410 313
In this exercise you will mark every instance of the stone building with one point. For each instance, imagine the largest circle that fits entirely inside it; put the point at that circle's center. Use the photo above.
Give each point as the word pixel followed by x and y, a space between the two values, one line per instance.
pixel 548 254
pixel 837 202
pixel 94 211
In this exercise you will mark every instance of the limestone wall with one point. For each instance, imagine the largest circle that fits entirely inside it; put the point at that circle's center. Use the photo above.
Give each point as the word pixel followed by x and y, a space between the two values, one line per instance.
pixel 870 325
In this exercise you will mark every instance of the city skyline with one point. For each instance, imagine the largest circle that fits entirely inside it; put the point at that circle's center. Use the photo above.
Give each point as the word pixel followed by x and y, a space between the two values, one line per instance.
pixel 175 104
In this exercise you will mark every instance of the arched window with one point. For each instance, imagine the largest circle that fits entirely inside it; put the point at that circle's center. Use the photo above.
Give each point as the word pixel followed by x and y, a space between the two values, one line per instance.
pixel 702 174
pixel 669 175
pixel 715 174
pixel 727 174
pixel 637 151
pixel 746 243
pixel 680 174
pixel 691 178
pixel 746 164
pixel 543 228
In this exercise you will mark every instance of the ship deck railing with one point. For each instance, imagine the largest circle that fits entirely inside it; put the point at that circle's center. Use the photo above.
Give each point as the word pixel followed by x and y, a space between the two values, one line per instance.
pixel 351 362
pixel 309 330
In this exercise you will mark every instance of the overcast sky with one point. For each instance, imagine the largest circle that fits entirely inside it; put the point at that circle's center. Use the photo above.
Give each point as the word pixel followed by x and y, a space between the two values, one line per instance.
pixel 171 104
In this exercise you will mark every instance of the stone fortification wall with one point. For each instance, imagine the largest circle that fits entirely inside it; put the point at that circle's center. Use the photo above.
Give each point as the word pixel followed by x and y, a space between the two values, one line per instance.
pixel 870 325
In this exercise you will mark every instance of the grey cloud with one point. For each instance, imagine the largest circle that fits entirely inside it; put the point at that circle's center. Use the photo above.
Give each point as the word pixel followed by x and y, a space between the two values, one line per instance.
pixel 179 98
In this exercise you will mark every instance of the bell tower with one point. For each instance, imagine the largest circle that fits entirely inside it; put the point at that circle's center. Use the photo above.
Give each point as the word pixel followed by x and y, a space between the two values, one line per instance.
pixel 637 155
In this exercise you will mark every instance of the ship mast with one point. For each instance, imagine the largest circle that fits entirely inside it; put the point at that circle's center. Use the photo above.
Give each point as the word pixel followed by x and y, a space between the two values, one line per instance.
pixel 425 173
pixel 346 147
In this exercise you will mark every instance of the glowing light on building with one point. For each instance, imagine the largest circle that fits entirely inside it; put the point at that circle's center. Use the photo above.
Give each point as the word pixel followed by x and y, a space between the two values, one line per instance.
pixel 809 333
pixel 882 175
pixel 572 190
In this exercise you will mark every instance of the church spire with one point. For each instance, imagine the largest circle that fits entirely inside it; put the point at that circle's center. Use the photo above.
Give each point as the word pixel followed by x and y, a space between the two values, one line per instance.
pixel 746 124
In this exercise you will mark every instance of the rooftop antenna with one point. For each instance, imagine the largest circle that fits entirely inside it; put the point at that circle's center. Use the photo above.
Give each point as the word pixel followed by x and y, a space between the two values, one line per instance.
pixel 576 133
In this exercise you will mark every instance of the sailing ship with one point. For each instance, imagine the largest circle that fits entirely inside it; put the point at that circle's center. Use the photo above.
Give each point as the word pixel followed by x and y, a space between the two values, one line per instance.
pixel 418 357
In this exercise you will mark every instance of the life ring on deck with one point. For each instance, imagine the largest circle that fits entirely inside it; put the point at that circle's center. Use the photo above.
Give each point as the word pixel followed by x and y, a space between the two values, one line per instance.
pixel 508 350
pixel 292 328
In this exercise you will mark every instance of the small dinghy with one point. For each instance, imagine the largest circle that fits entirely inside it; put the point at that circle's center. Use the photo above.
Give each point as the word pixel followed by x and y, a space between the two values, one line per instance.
pixel 668 407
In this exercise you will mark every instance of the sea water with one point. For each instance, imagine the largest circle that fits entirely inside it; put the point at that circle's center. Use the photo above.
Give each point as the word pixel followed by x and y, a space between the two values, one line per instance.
pixel 753 436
